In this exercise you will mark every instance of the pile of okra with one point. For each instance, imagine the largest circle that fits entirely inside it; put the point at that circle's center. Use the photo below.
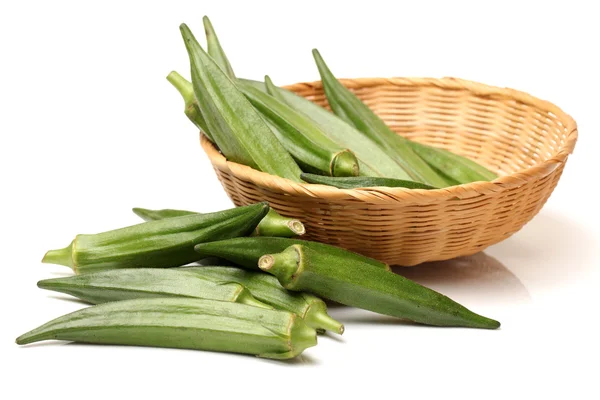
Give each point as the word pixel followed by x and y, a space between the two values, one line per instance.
pixel 242 280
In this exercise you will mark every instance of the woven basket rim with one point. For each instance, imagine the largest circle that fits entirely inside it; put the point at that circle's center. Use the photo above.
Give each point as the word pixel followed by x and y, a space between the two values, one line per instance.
pixel 384 194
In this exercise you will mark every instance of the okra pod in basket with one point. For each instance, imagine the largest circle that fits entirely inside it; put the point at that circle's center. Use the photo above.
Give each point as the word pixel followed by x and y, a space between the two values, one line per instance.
pixel 372 160
pixel 236 127
pixel 302 137
pixel 349 107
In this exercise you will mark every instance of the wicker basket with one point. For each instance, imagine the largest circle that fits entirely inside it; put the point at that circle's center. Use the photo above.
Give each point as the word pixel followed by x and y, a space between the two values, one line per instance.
pixel 524 139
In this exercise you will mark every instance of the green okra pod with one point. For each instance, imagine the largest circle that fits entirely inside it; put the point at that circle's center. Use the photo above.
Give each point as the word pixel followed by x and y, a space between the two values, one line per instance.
pixel 213 46
pixel 185 324
pixel 272 224
pixel 164 243
pixel 301 137
pixel 372 160
pixel 236 127
pixel 350 108
pixel 347 282
pixel 452 166
pixel 246 251
pixel 142 283
pixel 191 110
pixel 267 289
pixel 353 182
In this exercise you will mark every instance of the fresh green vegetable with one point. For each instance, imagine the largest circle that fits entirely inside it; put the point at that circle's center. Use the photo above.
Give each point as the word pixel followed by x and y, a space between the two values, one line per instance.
pixel 452 166
pixel 362 182
pixel 350 283
pixel 141 283
pixel 272 224
pixel 349 107
pixel 191 110
pixel 215 50
pixel 267 289
pixel 237 128
pixel 246 251
pixel 185 324
pixel 302 137
pixel 165 243
pixel 372 160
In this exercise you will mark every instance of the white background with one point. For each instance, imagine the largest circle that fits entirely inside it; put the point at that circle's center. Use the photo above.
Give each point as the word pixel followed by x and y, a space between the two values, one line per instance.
pixel 90 128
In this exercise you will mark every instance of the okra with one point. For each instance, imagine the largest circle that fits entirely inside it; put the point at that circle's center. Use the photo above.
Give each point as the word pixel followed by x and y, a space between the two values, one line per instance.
pixel 267 289
pixel 185 324
pixel 164 243
pixel 301 137
pixel 347 282
pixel 246 251
pixel 452 166
pixel 372 160
pixel 236 127
pixel 191 110
pixel 214 48
pixel 354 182
pixel 350 108
pixel 272 224
pixel 142 283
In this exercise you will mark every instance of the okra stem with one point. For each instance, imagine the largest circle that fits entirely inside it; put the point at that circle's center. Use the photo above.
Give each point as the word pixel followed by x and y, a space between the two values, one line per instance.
pixel 191 110
pixel 274 224
pixel 183 86
pixel 62 256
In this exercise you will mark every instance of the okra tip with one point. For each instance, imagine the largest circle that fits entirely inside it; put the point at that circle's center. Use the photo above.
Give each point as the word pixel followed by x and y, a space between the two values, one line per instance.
pixel 208 28
pixel 62 256
pixel 317 317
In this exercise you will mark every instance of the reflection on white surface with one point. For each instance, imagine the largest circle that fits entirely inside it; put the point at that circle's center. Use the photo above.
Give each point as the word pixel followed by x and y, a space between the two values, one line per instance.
pixel 478 279
pixel 551 251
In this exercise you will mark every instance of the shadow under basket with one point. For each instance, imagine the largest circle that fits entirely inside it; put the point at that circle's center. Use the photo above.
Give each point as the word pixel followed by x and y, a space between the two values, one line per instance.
pixel 525 140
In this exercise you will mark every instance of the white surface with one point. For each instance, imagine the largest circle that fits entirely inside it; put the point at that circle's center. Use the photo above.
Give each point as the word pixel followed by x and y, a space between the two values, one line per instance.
pixel 90 128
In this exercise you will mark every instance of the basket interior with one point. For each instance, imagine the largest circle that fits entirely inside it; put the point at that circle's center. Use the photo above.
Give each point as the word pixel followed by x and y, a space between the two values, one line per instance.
pixel 504 134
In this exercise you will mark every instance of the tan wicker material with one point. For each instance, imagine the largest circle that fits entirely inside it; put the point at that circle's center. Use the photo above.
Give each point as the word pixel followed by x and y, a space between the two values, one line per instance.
pixel 524 139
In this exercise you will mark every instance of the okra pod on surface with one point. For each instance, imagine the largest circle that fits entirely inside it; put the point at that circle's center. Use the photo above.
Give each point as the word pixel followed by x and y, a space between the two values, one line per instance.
pixel 236 127
pixel 246 251
pixel 141 283
pixel 362 182
pixel 164 243
pixel 267 289
pixel 350 108
pixel 372 160
pixel 302 137
pixel 347 282
pixel 272 224
pixel 183 323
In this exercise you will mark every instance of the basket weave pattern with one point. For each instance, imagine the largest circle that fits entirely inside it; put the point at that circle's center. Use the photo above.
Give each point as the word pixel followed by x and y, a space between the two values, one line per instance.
pixel 525 140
